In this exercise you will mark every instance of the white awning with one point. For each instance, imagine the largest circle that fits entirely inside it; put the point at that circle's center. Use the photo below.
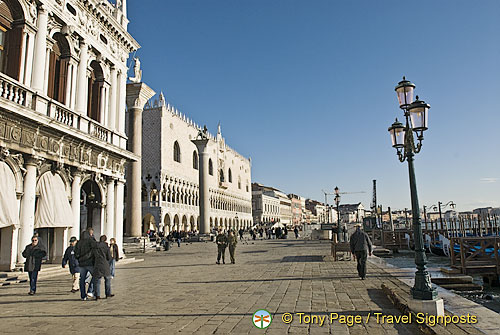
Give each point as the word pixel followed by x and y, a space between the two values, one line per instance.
pixel 9 213
pixel 53 208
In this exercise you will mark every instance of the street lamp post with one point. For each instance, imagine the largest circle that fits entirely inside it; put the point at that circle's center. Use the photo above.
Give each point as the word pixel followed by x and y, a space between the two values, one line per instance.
pixel 451 204
pixel 337 203
pixel 415 113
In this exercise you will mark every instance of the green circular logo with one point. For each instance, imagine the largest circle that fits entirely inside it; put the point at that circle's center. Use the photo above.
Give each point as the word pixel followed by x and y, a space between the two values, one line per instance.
pixel 262 319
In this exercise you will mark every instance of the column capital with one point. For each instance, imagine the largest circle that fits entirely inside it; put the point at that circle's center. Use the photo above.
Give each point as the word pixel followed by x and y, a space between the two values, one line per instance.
pixel 201 144
pixel 138 94
pixel 78 171
pixel 110 179
pixel 33 160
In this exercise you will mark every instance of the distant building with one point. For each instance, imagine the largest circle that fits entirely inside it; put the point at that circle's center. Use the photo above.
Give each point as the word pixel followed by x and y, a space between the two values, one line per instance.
pixel 318 210
pixel 296 204
pixel 352 212
pixel 280 209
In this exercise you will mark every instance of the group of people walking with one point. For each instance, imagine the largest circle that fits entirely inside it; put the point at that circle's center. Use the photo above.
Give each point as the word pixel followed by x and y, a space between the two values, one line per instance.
pixel 88 261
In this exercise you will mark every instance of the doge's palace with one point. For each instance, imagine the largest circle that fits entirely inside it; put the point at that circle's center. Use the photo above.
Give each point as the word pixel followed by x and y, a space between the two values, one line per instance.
pixel 62 117
pixel 170 176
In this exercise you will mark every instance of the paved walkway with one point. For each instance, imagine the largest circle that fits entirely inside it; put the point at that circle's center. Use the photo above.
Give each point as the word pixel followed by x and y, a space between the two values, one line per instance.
pixel 183 290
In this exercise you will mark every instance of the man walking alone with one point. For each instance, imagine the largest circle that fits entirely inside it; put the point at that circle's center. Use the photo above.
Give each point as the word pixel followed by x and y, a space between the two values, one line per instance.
pixel 33 253
pixel 361 246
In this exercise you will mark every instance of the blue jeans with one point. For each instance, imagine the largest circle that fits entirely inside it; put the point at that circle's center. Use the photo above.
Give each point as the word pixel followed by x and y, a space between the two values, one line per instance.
pixel 33 278
pixel 84 271
pixel 112 264
pixel 107 286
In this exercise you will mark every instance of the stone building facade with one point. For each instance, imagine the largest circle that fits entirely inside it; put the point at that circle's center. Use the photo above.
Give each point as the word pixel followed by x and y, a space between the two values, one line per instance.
pixel 63 150
pixel 170 176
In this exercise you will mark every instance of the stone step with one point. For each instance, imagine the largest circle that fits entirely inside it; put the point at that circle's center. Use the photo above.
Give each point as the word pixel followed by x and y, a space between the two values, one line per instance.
pixel 463 287
pixel 452 280
pixel 450 270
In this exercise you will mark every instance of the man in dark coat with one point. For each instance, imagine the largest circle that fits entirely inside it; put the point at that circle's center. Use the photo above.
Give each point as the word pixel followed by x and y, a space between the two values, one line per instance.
pixel 69 257
pixel 85 256
pixel 361 245
pixel 33 253
pixel 221 241
pixel 102 257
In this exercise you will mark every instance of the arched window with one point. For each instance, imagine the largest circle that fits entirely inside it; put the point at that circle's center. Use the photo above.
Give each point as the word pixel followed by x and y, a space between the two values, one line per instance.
pixel 239 183
pixel 58 68
pixel 10 38
pixel 210 167
pixel 230 176
pixel 221 175
pixel 195 160
pixel 177 152
pixel 96 81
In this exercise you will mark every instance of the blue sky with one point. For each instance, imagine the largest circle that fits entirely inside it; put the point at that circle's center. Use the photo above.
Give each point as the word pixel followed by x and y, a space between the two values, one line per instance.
pixel 306 88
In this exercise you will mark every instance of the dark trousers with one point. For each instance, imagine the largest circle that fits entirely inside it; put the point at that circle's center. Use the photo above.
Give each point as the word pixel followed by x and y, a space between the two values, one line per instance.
pixel 361 259
pixel 178 242
pixel 107 286
pixel 33 278
pixel 231 252
pixel 221 251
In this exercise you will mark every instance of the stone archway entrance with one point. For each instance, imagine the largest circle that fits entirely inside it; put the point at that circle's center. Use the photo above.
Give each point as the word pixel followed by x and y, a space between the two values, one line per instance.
pixel 167 224
pixel 91 208
pixel 148 223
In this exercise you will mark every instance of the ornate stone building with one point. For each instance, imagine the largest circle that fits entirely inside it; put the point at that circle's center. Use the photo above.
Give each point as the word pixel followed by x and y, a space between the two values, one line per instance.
pixel 62 117
pixel 170 192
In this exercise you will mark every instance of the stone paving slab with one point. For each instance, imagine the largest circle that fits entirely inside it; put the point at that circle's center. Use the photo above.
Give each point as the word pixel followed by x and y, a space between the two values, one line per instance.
pixel 183 291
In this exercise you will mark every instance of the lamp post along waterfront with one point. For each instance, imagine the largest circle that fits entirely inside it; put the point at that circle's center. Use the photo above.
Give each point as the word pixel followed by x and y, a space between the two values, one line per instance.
pixel 415 113
pixel 337 203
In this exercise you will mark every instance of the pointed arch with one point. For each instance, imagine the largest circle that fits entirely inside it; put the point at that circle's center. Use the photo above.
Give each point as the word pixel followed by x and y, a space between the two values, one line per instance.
pixel 177 152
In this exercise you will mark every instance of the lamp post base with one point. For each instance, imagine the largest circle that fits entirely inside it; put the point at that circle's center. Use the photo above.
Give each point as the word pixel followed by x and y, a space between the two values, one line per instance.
pixel 431 307
pixel 423 295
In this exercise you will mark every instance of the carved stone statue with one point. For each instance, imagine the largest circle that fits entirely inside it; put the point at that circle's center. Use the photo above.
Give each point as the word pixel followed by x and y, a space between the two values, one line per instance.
pixel 137 71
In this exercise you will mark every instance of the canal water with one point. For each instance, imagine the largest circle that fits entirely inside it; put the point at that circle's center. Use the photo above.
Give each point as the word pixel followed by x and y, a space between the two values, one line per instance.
pixel 489 297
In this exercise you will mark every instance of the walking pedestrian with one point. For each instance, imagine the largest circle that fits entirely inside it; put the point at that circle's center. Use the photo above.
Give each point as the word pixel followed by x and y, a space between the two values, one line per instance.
pixel 241 231
pixel 102 257
pixel 115 255
pixel 232 241
pixel 69 258
pixel 296 231
pixel 221 241
pixel 33 253
pixel 85 256
pixel 361 246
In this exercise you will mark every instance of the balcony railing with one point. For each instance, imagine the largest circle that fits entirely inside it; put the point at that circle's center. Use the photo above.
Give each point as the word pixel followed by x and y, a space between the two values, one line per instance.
pixel 13 91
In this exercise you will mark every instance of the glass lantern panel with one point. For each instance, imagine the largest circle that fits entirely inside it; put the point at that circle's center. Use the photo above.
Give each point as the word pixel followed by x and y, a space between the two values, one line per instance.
pixel 397 137
pixel 405 92
pixel 418 118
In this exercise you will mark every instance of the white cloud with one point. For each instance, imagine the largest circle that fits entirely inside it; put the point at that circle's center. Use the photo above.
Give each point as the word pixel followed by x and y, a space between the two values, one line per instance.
pixel 488 180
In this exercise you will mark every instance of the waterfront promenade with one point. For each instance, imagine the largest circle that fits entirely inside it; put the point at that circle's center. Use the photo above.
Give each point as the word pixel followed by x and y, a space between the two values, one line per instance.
pixel 184 291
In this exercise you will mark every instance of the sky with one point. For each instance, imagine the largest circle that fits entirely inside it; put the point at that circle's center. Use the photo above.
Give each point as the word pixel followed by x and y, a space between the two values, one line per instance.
pixel 306 89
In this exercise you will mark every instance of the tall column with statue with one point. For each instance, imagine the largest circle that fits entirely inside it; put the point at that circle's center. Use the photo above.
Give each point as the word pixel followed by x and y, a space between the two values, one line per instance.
pixel 138 94
pixel 201 142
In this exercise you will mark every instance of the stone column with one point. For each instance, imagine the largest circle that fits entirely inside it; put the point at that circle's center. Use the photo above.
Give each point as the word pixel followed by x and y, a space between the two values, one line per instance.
pixel 75 204
pixel 122 82
pixel 37 81
pixel 109 229
pixel 137 96
pixel 27 216
pixel 204 206
pixel 119 193
pixel 82 84
pixel 112 100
